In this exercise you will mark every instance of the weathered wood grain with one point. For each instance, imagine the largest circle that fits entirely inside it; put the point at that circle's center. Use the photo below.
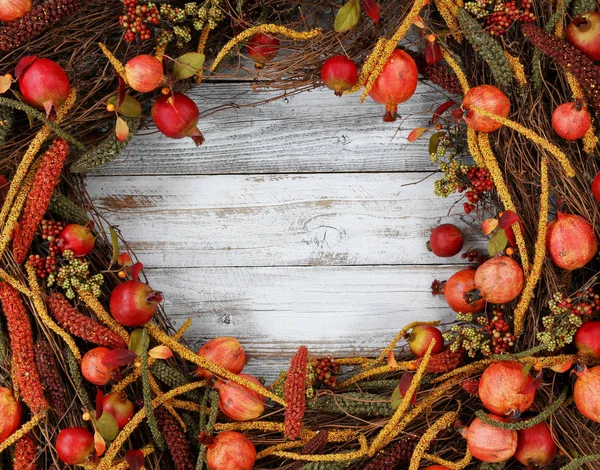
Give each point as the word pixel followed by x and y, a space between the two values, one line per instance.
pixel 276 220
pixel 338 310
pixel 309 132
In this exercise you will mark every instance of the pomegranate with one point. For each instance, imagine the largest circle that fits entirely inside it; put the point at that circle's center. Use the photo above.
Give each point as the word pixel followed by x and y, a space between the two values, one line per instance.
pixel 499 280
pixel 144 73
pixel 584 33
pixel 224 351
pixel 489 443
pixel 501 388
pixel 586 392
pixel 134 303
pixel 339 74
pixel 10 413
pixel 571 120
pixel 396 83
pixel 455 290
pixel 489 98
pixel 74 445
pixel 93 369
pixel 238 402
pixel 596 187
pixel 571 241
pixel 43 83
pixel 11 10
pixel 176 116
pixel 535 447
pixel 587 339
pixel 117 405
pixel 229 450
pixel 420 338
pixel 262 48
pixel 76 238
pixel 446 240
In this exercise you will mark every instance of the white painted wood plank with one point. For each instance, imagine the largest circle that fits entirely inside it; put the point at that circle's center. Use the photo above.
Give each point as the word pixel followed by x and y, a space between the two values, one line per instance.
pixel 275 220
pixel 272 311
pixel 310 132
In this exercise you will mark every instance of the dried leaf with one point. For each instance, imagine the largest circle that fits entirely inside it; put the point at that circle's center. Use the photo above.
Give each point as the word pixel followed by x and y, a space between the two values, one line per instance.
pixel 188 65
pixel 135 270
pixel 508 218
pixel 99 403
pixel 114 241
pixel 416 133
pixel 135 459
pixel 497 243
pixel 118 358
pixel 419 23
pixel 135 341
pixel 441 109
pixel 160 352
pixel 107 426
pixel 396 398
pixel 130 107
pixel 533 386
pixel 5 83
pixel 434 141
pixel 489 225
pixel 347 17
pixel 124 259
pixel 371 9
pixel 121 129
pixel 391 360
pixel 99 443
pixel 405 381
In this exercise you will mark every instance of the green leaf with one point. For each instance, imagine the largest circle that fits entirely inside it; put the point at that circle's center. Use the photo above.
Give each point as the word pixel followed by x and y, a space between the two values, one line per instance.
pixel 135 341
pixel 348 16
pixel 434 141
pixel 107 426
pixel 188 65
pixel 396 398
pixel 114 239
pixel 130 107
pixel 497 243
pixel 526 369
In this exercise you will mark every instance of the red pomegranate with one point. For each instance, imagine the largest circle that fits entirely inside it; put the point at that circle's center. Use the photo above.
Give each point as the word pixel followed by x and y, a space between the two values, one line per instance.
pixel 586 392
pixel 455 289
pixel 596 187
pixel 489 443
pixel 570 241
pixel 229 450
pixel 144 73
pixel 571 120
pixel 225 351
pixel 339 74
pixel 262 48
pixel 499 280
pixel 536 448
pixel 446 240
pixel 501 388
pixel 240 403
pixel 176 116
pixel 74 445
pixel 489 98
pixel 396 83
pixel 10 413
pixel 43 83
pixel 587 339
pixel 11 10
pixel 93 369
pixel 134 303
pixel 584 33
pixel 76 238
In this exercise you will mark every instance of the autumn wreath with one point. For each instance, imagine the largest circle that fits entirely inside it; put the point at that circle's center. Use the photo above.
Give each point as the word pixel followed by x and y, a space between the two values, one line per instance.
pixel 92 374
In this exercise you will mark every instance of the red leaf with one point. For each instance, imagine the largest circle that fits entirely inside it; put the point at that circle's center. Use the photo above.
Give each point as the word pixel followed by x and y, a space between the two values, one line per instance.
pixel 441 109
pixel 391 360
pixel 533 386
pixel 118 357
pixel 135 459
pixel 99 403
pixel 99 443
pixel 508 218
pixel 457 113
pixel 121 92
pixel 416 133
pixel 433 53
pixel 489 225
pixel 122 129
pixel 124 259
pixel 404 385
pixel 24 64
pixel 135 270
pixel 160 352
pixel 371 9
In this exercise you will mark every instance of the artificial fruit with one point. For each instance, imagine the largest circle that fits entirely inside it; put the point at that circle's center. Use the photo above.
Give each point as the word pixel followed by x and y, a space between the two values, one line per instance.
pixel 489 98
pixel 587 339
pixel 229 450
pixel 571 241
pixel 76 238
pixel 43 83
pixel 176 116
pixel 455 290
pixel 262 48
pixel 225 351
pixel 74 445
pixel 499 280
pixel 144 73
pixel 586 392
pixel 504 389
pixel 238 402
pixel 11 10
pixel 119 406
pixel 94 370
pixel 420 338
pixel 10 413
pixel 584 33
pixel 133 303
pixel 489 443
pixel 339 74
pixel 535 447
pixel 571 120
pixel 446 240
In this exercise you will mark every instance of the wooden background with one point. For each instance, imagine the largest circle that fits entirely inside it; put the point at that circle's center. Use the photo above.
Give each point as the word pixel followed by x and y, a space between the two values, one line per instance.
pixel 302 221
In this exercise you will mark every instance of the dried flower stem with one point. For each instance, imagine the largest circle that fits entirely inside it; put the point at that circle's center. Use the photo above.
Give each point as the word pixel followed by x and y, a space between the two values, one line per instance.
pixel 263 28
pixel 368 66
pixel 462 78
pixel 466 460
pixel 278 447
pixel 75 374
pixel 15 283
pixel 94 304
pixel 578 463
pixel 341 457
pixel 22 431
pixel 538 257
pixel 464 371
pixel 200 50
pixel 295 388
pixel 407 365
pixel 168 405
pixel 25 453
pixel 147 392
pixel 518 70
pixel 116 63
pixel 474 147
pixel 428 436
pixel 449 12
pixel 188 355
pixel 42 312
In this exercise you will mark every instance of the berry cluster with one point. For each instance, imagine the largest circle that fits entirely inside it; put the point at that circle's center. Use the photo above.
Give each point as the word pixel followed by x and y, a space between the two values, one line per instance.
pixel 473 257
pixel 326 370
pixel 75 275
pixel 582 303
pixel 137 19
pixel 499 331
pixel 500 15
pixel 446 155
pixel 480 183
pixel 44 265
